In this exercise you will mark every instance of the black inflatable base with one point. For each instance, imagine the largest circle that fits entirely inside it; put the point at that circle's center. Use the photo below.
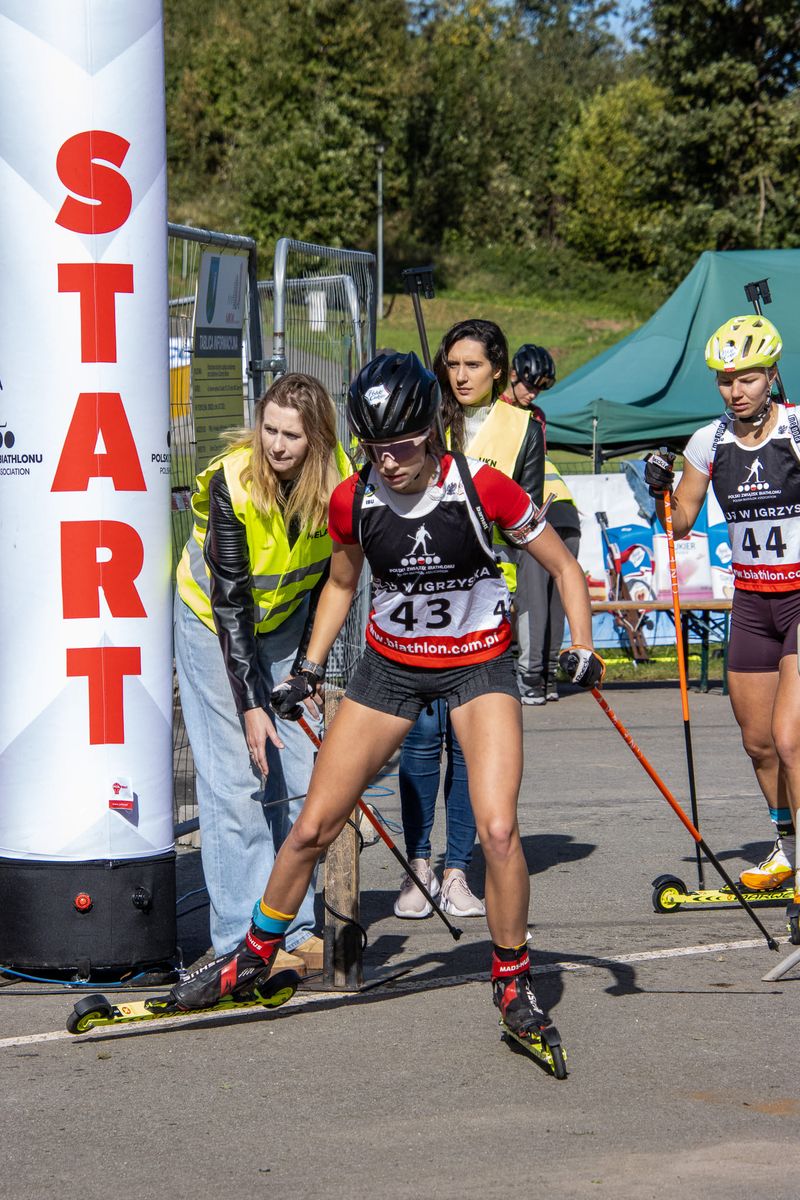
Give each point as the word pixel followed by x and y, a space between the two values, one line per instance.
pixel 87 916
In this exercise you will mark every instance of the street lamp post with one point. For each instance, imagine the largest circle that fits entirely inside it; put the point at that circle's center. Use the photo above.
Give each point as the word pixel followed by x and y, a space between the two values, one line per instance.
pixel 380 150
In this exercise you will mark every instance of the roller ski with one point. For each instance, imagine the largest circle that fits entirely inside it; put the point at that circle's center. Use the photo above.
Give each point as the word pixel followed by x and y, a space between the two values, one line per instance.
pixel 522 1021
pixel 793 917
pixel 235 981
pixel 670 893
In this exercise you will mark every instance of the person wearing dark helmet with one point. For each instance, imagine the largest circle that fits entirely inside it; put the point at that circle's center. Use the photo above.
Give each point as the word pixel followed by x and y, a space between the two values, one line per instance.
pixel 540 613
pixel 438 626
pixel 429 746
pixel 751 458
pixel 471 365
pixel 532 371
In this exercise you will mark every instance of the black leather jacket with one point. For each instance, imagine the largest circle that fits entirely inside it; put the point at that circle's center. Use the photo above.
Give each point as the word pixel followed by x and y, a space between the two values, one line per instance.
pixel 529 468
pixel 225 551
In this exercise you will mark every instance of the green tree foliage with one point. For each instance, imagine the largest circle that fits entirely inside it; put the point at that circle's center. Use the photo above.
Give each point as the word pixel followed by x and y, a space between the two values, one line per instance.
pixel 274 110
pixel 604 176
pixel 723 152
pixel 509 125
pixel 498 85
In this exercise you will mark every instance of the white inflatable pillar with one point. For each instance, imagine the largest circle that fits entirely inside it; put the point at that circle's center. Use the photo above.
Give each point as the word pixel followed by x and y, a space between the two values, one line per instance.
pixel 86 846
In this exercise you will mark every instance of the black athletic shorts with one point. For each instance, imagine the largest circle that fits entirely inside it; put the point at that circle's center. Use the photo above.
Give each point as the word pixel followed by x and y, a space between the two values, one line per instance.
pixel 390 687
pixel 763 629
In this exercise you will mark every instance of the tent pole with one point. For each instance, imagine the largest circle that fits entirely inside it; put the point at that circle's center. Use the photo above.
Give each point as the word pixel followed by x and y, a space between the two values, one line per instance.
pixel 597 451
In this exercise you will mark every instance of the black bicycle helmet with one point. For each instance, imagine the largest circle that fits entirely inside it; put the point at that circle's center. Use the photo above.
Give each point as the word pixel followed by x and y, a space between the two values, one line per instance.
pixel 393 396
pixel 534 367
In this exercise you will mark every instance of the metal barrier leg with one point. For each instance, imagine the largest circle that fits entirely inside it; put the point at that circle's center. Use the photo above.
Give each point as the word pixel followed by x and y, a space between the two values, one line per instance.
pixel 782 968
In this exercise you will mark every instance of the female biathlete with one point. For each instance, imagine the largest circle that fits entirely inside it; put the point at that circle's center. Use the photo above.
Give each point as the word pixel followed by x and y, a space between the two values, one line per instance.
pixel 471 365
pixel 751 456
pixel 438 627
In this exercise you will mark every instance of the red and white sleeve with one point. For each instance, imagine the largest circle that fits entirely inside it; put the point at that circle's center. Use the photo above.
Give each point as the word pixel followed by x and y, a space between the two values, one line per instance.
pixel 505 503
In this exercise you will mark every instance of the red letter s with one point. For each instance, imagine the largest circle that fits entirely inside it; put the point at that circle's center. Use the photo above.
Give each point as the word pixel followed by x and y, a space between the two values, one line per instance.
pixel 80 167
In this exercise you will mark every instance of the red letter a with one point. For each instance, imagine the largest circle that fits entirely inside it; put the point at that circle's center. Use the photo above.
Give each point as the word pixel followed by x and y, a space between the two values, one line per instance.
pixel 99 413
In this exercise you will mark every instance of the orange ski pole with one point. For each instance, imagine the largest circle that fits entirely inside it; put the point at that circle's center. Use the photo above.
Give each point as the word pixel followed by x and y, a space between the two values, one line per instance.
pixel 687 729
pixel 676 808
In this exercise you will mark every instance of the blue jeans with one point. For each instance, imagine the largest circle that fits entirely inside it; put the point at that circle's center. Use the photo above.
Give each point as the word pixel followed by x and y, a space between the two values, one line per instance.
pixel 419 786
pixel 240 835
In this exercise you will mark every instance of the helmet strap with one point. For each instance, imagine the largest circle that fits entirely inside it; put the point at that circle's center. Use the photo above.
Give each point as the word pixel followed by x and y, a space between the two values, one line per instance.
pixel 758 420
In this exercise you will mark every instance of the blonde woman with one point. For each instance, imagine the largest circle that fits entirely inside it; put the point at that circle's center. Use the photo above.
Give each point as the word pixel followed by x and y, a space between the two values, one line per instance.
pixel 247 583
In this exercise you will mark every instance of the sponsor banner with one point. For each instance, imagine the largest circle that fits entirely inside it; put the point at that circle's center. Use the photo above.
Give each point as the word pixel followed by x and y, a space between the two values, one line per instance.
pixel 719 550
pixel 638 547
pixel 217 387
pixel 86 698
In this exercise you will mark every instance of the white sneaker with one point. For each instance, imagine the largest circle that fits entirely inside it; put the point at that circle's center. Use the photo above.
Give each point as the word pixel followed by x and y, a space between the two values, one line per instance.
pixel 774 872
pixel 458 900
pixel 411 904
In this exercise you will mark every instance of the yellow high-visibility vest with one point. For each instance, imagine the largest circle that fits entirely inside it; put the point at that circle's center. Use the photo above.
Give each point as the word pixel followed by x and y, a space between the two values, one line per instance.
pixel 498 443
pixel 281 574
pixel 500 437
pixel 554 483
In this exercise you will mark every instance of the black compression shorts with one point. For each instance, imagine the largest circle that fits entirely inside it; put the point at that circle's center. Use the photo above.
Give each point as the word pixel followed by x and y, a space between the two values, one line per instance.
pixel 390 687
pixel 763 629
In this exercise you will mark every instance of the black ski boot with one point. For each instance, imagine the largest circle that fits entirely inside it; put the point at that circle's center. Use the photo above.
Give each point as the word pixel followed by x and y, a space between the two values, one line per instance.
pixel 237 974
pixel 514 995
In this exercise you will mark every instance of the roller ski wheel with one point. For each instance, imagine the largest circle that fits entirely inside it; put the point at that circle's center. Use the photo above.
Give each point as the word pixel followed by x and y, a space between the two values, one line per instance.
pixel 97 1012
pixel 793 920
pixel 670 893
pixel 544 1046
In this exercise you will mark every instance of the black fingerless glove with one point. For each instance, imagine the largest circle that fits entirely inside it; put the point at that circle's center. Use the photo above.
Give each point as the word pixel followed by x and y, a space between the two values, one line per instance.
pixel 582 666
pixel 287 698
pixel 658 473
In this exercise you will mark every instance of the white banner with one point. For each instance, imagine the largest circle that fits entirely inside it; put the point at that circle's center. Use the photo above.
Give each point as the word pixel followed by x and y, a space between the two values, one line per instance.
pixel 86 668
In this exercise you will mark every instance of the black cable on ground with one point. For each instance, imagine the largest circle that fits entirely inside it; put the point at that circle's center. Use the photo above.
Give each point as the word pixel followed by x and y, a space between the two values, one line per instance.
pixel 80 986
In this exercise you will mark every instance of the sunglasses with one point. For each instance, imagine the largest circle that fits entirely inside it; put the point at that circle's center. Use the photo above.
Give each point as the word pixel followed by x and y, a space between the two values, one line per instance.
pixel 401 451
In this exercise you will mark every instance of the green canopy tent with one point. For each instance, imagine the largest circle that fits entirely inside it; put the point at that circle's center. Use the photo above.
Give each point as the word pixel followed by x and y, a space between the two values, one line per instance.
pixel 653 387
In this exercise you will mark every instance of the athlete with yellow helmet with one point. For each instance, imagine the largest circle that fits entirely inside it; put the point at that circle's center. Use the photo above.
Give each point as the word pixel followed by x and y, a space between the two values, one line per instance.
pixel 751 457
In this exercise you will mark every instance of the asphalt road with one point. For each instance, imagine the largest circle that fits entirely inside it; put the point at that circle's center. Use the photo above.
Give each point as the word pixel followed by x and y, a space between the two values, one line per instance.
pixel 682 1061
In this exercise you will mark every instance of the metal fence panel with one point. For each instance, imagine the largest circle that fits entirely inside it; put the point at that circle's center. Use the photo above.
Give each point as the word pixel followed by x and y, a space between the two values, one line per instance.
pixel 325 299
pixel 185 247
pixel 321 305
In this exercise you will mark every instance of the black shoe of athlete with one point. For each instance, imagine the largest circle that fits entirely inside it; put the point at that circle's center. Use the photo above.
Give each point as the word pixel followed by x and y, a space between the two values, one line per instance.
pixel 237 974
pixel 518 1005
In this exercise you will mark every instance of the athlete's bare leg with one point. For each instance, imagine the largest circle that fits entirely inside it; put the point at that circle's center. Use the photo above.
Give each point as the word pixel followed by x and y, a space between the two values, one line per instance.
pixel 489 729
pixel 753 698
pixel 359 742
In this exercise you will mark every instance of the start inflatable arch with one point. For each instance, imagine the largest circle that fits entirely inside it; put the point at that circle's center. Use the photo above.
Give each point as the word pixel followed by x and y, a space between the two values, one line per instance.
pixel 86 845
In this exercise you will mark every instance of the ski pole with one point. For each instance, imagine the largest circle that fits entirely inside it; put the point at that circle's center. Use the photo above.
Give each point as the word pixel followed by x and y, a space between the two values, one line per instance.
pixel 387 841
pixel 679 647
pixel 416 280
pixel 676 808
pixel 755 292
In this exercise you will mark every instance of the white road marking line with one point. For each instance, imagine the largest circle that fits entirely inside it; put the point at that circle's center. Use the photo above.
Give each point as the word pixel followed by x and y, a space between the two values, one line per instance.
pixel 309 1002
pixel 31 1038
